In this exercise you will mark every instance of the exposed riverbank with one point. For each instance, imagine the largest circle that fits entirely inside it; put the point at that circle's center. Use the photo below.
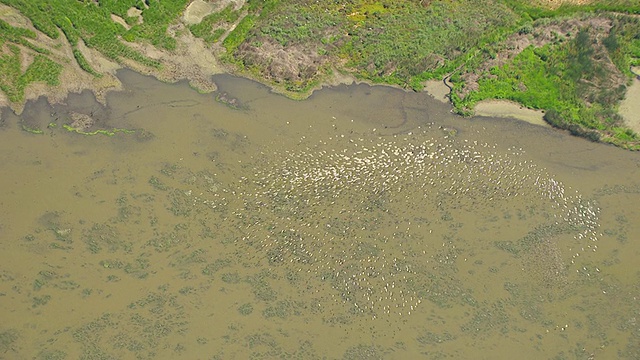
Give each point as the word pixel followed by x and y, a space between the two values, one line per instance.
pixel 191 59
pixel 630 106
pixel 506 51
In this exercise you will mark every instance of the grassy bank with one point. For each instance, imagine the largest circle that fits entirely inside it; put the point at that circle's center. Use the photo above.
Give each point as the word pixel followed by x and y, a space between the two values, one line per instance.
pixel 576 71
pixel 401 43
pixel 572 61
pixel 13 80
pixel 579 75
pixel 87 21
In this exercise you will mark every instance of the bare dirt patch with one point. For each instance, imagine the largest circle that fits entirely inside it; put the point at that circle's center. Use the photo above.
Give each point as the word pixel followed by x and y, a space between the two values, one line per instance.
pixel 295 64
pixel 117 19
pixel 82 122
pixel 557 3
pixel 196 11
pixel 438 90
pixel 511 110
pixel 13 17
pixel 135 12
pixel 630 106
pixel 191 60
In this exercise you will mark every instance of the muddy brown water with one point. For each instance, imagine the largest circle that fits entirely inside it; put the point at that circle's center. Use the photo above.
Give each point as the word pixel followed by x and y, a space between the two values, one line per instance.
pixel 362 223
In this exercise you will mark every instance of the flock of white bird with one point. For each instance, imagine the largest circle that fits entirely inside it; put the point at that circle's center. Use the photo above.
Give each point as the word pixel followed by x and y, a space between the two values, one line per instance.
pixel 370 218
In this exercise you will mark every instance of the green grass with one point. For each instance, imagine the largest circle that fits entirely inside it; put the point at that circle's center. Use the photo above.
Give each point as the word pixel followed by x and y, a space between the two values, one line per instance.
pixel 88 21
pixel 382 41
pixel 213 26
pixel 13 81
pixel 81 20
pixel 400 43
pixel 239 34
pixel 406 43
pixel 157 18
pixel 525 80
pixel 84 64
pixel 293 23
pixel 568 79
pixel 84 19
pixel 412 41
pixel 257 10
pixel 19 36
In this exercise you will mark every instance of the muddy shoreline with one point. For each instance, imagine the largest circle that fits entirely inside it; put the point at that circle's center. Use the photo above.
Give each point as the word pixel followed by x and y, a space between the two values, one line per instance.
pixel 198 71
pixel 630 106
pixel 195 61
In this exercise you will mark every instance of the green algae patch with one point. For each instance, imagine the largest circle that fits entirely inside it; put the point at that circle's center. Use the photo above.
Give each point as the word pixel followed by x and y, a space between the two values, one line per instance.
pixel 32 130
pixel 110 132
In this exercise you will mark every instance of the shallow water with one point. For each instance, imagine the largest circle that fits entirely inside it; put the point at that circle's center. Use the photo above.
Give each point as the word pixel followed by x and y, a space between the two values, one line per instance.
pixel 362 223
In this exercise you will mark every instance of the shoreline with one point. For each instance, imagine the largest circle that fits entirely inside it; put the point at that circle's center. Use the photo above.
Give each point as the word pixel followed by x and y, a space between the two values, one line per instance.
pixel 510 110
pixel 630 106
pixel 190 65
pixel 196 61
pixel 191 61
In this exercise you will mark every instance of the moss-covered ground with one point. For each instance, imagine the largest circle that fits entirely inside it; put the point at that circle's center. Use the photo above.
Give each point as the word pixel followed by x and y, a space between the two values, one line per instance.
pixel 572 61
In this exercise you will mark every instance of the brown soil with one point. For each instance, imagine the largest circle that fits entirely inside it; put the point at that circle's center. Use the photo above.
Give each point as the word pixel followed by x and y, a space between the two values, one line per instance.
pixel 556 3
pixel 119 20
pixel 81 122
pixel 295 64
pixel 191 60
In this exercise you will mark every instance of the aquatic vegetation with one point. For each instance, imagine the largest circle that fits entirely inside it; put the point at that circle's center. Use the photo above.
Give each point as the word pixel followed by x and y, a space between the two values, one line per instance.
pixel 104 236
pixel 110 132
pixel 216 266
pixel 7 338
pixel 153 318
pixel 32 131
pixel 52 355
pixel 363 351
pixel 245 309
pixel 38 301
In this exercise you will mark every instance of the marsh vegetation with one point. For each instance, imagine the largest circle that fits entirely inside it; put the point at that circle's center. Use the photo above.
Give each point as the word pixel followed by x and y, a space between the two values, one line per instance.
pixel 572 61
